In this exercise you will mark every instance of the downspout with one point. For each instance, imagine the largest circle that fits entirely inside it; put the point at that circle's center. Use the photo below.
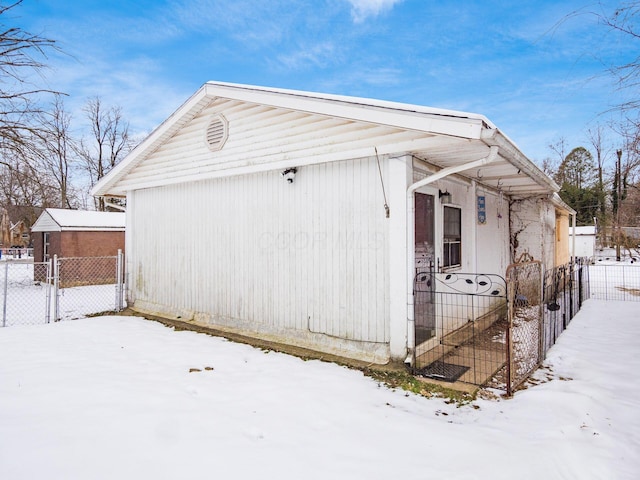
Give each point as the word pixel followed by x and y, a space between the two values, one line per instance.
pixel 411 227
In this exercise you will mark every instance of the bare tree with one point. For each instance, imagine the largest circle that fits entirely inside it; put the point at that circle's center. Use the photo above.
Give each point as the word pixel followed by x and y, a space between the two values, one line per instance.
pixel 21 55
pixel 624 21
pixel 54 156
pixel 551 164
pixel 596 138
pixel 109 142
pixel 24 191
pixel 630 166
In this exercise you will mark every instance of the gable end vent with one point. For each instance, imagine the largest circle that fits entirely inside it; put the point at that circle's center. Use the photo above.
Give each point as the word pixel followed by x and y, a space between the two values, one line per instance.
pixel 216 133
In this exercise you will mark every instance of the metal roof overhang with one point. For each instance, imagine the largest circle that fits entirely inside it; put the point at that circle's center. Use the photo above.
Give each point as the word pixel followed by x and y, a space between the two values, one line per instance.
pixel 511 172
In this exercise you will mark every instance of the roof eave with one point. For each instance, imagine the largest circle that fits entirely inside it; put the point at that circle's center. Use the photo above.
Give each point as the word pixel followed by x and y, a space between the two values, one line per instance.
pixel 510 151
pixel 165 130
pixel 411 117
pixel 561 205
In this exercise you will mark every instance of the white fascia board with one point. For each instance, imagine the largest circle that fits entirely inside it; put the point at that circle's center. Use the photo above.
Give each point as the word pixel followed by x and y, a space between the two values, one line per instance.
pixel 164 131
pixel 557 202
pixel 510 152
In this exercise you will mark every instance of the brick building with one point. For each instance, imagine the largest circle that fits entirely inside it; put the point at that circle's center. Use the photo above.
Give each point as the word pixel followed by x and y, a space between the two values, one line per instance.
pixel 76 233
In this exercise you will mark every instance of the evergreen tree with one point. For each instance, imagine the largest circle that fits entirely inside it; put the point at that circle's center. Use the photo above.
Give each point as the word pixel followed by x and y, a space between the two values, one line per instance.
pixel 577 177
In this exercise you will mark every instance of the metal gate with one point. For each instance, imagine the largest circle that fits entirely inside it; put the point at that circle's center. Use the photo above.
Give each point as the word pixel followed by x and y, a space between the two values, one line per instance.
pixel 486 330
pixel 460 327
pixel 60 289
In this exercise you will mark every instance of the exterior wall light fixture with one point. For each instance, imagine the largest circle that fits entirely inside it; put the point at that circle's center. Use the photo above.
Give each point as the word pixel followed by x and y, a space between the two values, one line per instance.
pixel 445 197
pixel 289 174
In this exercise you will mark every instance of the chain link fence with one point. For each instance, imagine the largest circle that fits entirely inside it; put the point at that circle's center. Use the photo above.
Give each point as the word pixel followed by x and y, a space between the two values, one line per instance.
pixel 88 285
pixel 26 292
pixel 60 289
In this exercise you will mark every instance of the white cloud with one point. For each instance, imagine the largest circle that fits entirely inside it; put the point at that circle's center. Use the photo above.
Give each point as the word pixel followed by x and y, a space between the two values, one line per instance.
pixel 319 55
pixel 361 9
pixel 247 21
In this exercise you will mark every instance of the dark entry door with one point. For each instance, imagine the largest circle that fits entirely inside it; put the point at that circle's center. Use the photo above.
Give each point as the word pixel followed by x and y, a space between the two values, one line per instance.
pixel 424 268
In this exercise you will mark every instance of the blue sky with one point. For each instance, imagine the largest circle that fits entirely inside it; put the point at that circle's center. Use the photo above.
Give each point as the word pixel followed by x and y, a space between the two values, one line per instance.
pixel 536 76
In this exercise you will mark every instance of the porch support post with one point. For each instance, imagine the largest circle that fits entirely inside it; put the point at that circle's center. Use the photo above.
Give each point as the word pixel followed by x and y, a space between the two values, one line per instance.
pixel 399 176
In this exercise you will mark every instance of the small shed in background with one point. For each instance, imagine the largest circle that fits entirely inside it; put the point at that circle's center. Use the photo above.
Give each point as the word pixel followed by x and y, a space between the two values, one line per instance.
pixel 585 241
pixel 87 241
pixel 77 233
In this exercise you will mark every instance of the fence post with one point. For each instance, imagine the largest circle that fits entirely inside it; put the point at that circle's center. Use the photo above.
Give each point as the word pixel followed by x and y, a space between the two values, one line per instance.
pixel 571 293
pixel 4 303
pixel 56 281
pixel 119 282
pixel 587 282
pixel 47 294
pixel 511 288
pixel 580 286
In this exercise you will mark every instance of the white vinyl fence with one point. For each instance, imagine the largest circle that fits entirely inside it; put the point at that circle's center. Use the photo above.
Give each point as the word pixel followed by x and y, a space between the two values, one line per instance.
pixel 61 289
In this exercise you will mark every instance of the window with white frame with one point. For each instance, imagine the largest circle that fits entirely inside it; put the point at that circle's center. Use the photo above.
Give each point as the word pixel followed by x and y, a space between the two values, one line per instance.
pixel 452 254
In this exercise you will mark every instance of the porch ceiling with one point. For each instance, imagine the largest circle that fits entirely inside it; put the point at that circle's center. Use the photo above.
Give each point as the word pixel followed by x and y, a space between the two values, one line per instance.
pixel 511 172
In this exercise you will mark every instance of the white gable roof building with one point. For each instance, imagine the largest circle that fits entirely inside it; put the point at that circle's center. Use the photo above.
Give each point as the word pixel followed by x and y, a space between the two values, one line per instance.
pixel 302 217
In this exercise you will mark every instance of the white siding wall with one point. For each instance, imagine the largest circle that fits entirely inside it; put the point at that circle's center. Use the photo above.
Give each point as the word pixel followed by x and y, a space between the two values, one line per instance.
pixel 46 223
pixel 304 262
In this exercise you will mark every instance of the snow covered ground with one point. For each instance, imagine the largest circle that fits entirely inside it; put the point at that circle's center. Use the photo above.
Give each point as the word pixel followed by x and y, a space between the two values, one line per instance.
pixel 126 398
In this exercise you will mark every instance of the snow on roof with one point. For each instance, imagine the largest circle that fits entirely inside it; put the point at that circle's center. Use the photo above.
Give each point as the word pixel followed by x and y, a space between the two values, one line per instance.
pixel 354 101
pixel 78 220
